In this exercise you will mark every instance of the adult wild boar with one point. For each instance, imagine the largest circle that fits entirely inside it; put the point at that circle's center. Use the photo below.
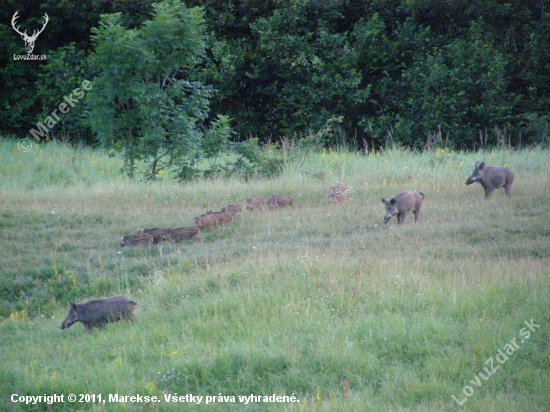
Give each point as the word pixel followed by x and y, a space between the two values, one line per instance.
pixel 492 178
pixel 403 204
pixel 97 313
pixel 280 201
pixel 255 203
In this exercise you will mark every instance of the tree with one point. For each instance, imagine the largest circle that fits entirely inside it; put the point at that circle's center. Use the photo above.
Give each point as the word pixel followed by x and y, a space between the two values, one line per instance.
pixel 143 105
pixel 66 70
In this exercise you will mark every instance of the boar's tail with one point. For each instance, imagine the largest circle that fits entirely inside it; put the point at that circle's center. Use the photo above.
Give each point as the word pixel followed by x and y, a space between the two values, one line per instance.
pixel 421 194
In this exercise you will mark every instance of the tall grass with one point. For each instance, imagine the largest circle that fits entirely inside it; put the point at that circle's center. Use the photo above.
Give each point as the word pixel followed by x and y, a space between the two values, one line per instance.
pixel 321 301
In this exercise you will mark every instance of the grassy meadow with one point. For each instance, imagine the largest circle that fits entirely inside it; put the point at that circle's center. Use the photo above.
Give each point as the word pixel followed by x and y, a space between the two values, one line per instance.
pixel 324 302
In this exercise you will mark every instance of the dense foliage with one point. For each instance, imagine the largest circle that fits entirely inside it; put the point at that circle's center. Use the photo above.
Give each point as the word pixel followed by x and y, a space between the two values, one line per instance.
pixel 415 73
pixel 142 104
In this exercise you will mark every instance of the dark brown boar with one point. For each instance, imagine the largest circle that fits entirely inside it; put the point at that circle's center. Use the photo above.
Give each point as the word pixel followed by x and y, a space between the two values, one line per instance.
pixel 339 197
pixel 134 240
pixel 184 233
pixel 280 201
pixel 206 221
pixel 255 203
pixel 159 235
pixel 97 313
pixel 492 178
pixel 235 210
pixel 403 204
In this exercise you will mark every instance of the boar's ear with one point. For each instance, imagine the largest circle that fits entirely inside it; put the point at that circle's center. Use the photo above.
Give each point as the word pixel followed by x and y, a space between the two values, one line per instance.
pixel 393 201
pixel 481 166
pixel 72 305
pixel 383 200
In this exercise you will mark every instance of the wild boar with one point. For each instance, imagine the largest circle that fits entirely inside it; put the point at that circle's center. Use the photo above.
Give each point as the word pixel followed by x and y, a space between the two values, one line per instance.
pixel 339 197
pixel 159 235
pixel 492 178
pixel 233 209
pixel 255 203
pixel 206 221
pixel 403 204
pixel 133 240
pixel 223 217
pixel 280 201
pixel 183 233
pixel 338 189
pixel 97 313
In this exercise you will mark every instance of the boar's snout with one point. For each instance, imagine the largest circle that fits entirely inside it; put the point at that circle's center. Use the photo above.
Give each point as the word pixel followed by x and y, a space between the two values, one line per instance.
pixel 475 174
pixel 388 216
pixel 390 209
pixel 71 318
pixel 472 179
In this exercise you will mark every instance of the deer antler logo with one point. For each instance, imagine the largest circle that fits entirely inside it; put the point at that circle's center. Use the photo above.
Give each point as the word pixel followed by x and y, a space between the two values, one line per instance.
pixel 29 40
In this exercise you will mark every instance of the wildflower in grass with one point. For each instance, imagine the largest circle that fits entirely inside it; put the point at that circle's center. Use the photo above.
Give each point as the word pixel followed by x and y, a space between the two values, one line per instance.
pixel 151 388
pixel 19 316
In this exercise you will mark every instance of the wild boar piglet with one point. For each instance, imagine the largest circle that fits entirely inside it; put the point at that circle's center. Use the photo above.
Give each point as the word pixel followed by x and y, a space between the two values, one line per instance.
pixel 255 203
pixel 159 235
pixel 339 189
pixel 183 233
pixel 233 209
pixel 134 240
pixel 280 201
pixel 339 197
pixel 206 221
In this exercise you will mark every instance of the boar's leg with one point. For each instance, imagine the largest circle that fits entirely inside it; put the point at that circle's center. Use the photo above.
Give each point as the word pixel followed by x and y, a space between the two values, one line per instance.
pixel 416 213
pixel 508 189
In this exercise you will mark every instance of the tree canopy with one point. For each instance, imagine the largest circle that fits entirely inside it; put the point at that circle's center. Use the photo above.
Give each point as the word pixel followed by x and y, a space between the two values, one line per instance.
pixel 476 72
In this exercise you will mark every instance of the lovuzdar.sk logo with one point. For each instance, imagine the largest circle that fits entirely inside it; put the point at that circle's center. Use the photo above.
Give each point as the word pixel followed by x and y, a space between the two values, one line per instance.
pixel 29 40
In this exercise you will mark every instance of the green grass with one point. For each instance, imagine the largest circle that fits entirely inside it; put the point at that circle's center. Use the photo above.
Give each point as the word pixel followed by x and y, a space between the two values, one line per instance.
pixel 321 301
